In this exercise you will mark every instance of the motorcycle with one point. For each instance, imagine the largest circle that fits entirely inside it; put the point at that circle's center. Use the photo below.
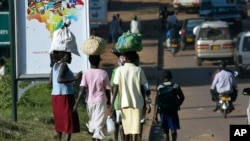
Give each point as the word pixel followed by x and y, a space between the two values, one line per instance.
pixel 172 39
pixel 173 46
pixel 225 100
pixel 225 104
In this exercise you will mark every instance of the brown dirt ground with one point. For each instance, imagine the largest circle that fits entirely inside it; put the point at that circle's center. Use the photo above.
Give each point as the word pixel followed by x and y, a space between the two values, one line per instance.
pixel 147 13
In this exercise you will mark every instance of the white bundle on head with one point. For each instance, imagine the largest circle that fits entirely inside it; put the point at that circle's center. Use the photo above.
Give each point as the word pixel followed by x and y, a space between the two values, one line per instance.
pixel 64 40
pixel 66 22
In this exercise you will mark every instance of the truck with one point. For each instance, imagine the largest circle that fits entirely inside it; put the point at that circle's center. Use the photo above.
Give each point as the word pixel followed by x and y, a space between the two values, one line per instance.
pixel 184 5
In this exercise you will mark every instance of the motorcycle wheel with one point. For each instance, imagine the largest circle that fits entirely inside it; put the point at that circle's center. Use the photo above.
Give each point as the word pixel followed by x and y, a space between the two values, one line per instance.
pixel 225 113
pixel 174 51
pixel 182 45
pixel 173 54
pixel 198 61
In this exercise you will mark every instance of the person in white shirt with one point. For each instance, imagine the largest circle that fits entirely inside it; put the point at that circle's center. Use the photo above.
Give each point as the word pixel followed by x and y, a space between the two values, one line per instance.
pixel 135 25
pixel 223 82
pixel 2 67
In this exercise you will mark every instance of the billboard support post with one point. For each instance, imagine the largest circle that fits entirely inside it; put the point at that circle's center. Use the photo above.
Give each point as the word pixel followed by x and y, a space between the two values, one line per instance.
pixel 13 59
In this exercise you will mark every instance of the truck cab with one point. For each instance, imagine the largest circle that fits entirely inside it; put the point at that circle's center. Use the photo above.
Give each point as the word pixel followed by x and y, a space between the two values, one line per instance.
pixel 184 5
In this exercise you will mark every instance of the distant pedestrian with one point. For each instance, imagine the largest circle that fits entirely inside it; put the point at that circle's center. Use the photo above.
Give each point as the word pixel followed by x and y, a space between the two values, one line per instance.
pixel 95 82
pixel 114 30
pixel 169 99
pixel 117 115
pixel 135 25
pixel 163 16
pixel 2 67
pixel 120 29
pixel 119 20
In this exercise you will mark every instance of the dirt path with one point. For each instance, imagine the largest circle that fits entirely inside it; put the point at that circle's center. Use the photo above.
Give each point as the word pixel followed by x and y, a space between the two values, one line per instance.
pixel 147 13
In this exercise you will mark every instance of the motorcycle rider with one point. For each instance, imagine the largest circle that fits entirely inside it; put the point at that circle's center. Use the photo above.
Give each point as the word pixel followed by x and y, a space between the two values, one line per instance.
pixel 172 20
pixel 171 34
pixel 163 16
pixel 223 82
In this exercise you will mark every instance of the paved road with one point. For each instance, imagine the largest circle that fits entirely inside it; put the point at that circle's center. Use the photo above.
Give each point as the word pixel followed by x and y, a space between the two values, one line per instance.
pixel 198 122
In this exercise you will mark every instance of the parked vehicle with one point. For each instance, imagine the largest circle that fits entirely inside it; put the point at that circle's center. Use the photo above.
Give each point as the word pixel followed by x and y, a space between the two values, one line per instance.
pixel 241 6
pixel 246 91
pixel 242 53
pixel 213 42
pixel 186 33
pixel 228 13
pixel 186 5
pixel 207 5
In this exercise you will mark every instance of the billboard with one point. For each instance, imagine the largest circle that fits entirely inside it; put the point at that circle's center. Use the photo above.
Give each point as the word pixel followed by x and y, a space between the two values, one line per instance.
pixel 4 28
pixel 36 20
pixel 98 11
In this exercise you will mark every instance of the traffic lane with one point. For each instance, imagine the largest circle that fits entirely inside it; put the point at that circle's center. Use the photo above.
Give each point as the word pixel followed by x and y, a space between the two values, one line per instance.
pixel 198 121
pixel 245 22
pixel 196 112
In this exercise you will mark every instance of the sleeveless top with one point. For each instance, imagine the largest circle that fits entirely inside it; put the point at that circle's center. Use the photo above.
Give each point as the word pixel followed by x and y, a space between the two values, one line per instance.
pixel 61 88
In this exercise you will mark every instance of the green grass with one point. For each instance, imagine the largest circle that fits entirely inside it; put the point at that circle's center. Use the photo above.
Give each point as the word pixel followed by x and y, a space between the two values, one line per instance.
pixel 34 114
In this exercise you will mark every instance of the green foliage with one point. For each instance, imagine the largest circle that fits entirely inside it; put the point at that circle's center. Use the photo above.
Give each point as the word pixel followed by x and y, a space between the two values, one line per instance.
pixel 34 113
pixel 5 87
pixel 35 118
pixel 5 92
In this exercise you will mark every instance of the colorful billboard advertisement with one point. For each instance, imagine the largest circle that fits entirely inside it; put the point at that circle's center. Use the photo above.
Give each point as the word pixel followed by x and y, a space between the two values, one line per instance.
pixel 36 21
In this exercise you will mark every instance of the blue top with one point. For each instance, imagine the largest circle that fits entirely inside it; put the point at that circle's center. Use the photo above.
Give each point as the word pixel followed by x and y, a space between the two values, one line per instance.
pixel 61 88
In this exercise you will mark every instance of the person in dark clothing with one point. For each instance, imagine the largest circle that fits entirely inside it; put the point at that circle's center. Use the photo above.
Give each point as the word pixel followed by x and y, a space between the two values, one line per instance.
pixel 163 16
pixel 172 34
pixel 119 20
pixel 169 120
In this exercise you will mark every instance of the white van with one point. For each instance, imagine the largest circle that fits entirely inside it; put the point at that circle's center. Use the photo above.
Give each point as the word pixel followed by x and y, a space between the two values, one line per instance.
pixel 213 42
pixel 242 53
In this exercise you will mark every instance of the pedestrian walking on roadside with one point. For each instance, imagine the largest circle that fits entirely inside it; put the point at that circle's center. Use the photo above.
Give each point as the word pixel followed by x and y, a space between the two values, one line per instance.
pixel 128 80
pixel 163 16
pixel 95 82
pixel 135 25
pixel 119 20
pixel 168 101
pixel 62 78
pixel 117 115
pixel 120 28
pixel 2 67
pixel 145 89
pixel 115 30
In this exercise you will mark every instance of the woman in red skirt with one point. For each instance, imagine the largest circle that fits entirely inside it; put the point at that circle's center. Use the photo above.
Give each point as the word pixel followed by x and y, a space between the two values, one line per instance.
pixel 65 119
